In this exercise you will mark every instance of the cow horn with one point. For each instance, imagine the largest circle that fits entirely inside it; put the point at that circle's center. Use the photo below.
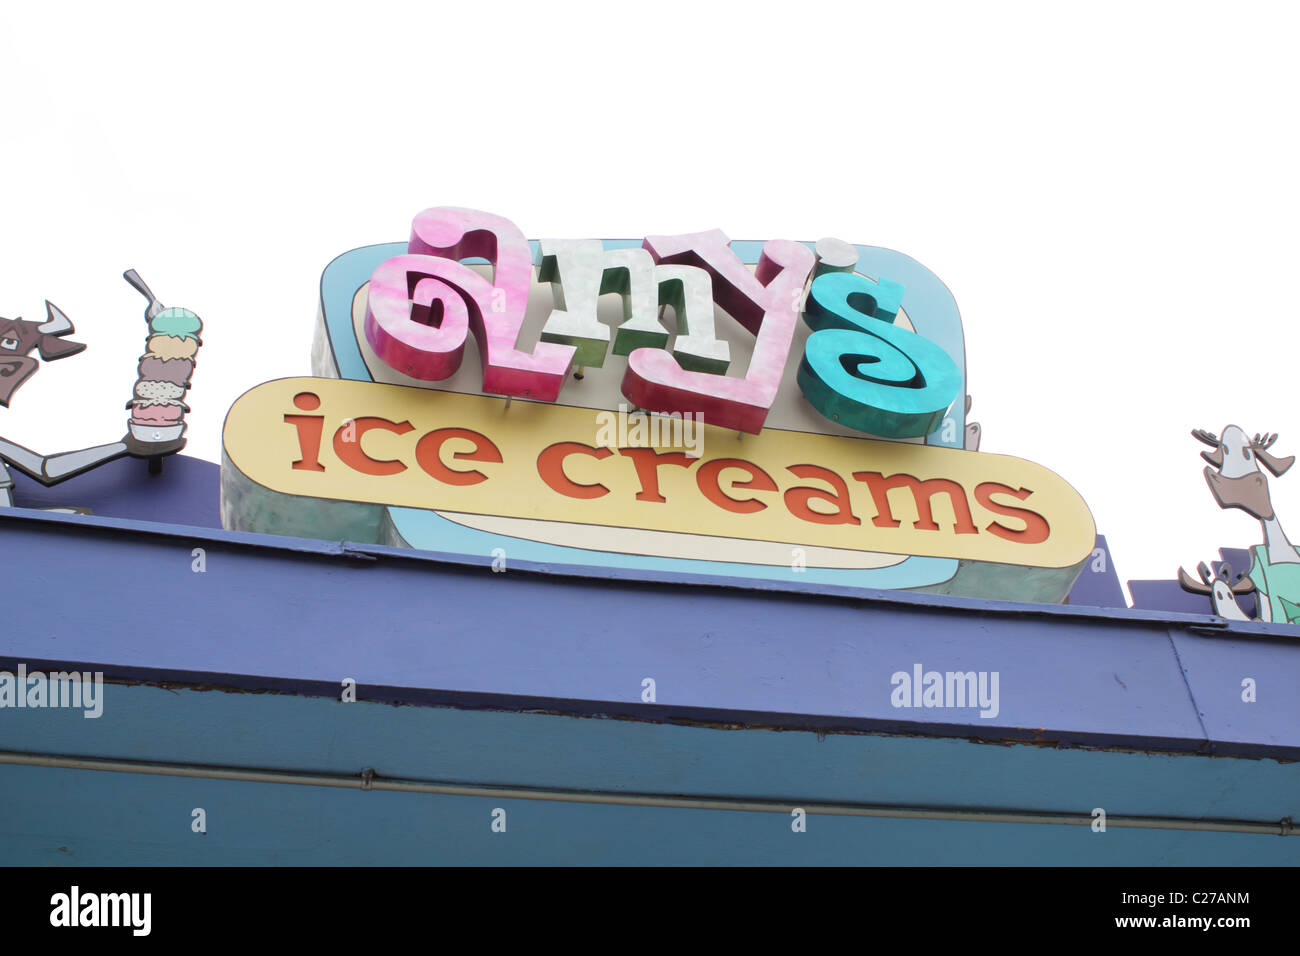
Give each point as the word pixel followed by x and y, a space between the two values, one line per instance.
pixel 58 323
pixel 1278 466
pixel 1189 583
pixel 1215 457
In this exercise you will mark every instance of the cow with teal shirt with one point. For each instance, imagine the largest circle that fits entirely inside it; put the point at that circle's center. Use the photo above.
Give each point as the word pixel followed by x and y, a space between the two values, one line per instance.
pixel 1236 478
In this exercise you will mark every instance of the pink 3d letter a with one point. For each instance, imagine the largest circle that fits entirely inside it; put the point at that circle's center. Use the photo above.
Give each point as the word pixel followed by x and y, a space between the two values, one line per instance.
pixel 421 304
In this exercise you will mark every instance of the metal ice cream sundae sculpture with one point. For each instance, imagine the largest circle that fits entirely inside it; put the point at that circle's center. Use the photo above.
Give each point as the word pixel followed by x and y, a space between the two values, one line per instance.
pixel 157 409
pixel 156 426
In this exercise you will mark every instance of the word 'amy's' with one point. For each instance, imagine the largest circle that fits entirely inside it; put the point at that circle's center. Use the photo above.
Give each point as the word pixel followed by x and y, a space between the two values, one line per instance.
pixel 858 368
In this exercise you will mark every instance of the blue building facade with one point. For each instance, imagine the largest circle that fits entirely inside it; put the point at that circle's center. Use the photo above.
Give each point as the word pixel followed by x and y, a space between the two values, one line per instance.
pixel 276 700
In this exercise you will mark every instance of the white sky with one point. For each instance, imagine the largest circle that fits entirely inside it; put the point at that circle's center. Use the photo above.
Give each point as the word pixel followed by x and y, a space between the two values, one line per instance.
pixel 1109 190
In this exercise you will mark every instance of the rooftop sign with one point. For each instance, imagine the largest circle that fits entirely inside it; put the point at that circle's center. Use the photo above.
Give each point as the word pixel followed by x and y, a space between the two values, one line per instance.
pixel 782 411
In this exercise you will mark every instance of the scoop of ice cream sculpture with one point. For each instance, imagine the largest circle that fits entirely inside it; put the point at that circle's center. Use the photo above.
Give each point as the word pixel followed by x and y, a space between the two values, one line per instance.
pixel 157 406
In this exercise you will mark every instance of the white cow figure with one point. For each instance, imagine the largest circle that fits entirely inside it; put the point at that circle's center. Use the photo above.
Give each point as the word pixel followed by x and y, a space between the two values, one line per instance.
pixel 1237 479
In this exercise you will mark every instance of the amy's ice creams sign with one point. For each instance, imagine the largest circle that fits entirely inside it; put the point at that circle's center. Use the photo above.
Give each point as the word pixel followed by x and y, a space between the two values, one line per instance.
pixel 773 370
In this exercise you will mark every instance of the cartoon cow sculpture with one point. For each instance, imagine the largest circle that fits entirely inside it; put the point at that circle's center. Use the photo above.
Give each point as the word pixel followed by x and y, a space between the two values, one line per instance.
pixel 1236 478
pixel 18 337
pixel 156 425
pixel 1222 588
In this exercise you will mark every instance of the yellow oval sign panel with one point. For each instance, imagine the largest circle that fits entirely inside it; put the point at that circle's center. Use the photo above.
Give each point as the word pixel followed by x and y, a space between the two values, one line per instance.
pixel 333 440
